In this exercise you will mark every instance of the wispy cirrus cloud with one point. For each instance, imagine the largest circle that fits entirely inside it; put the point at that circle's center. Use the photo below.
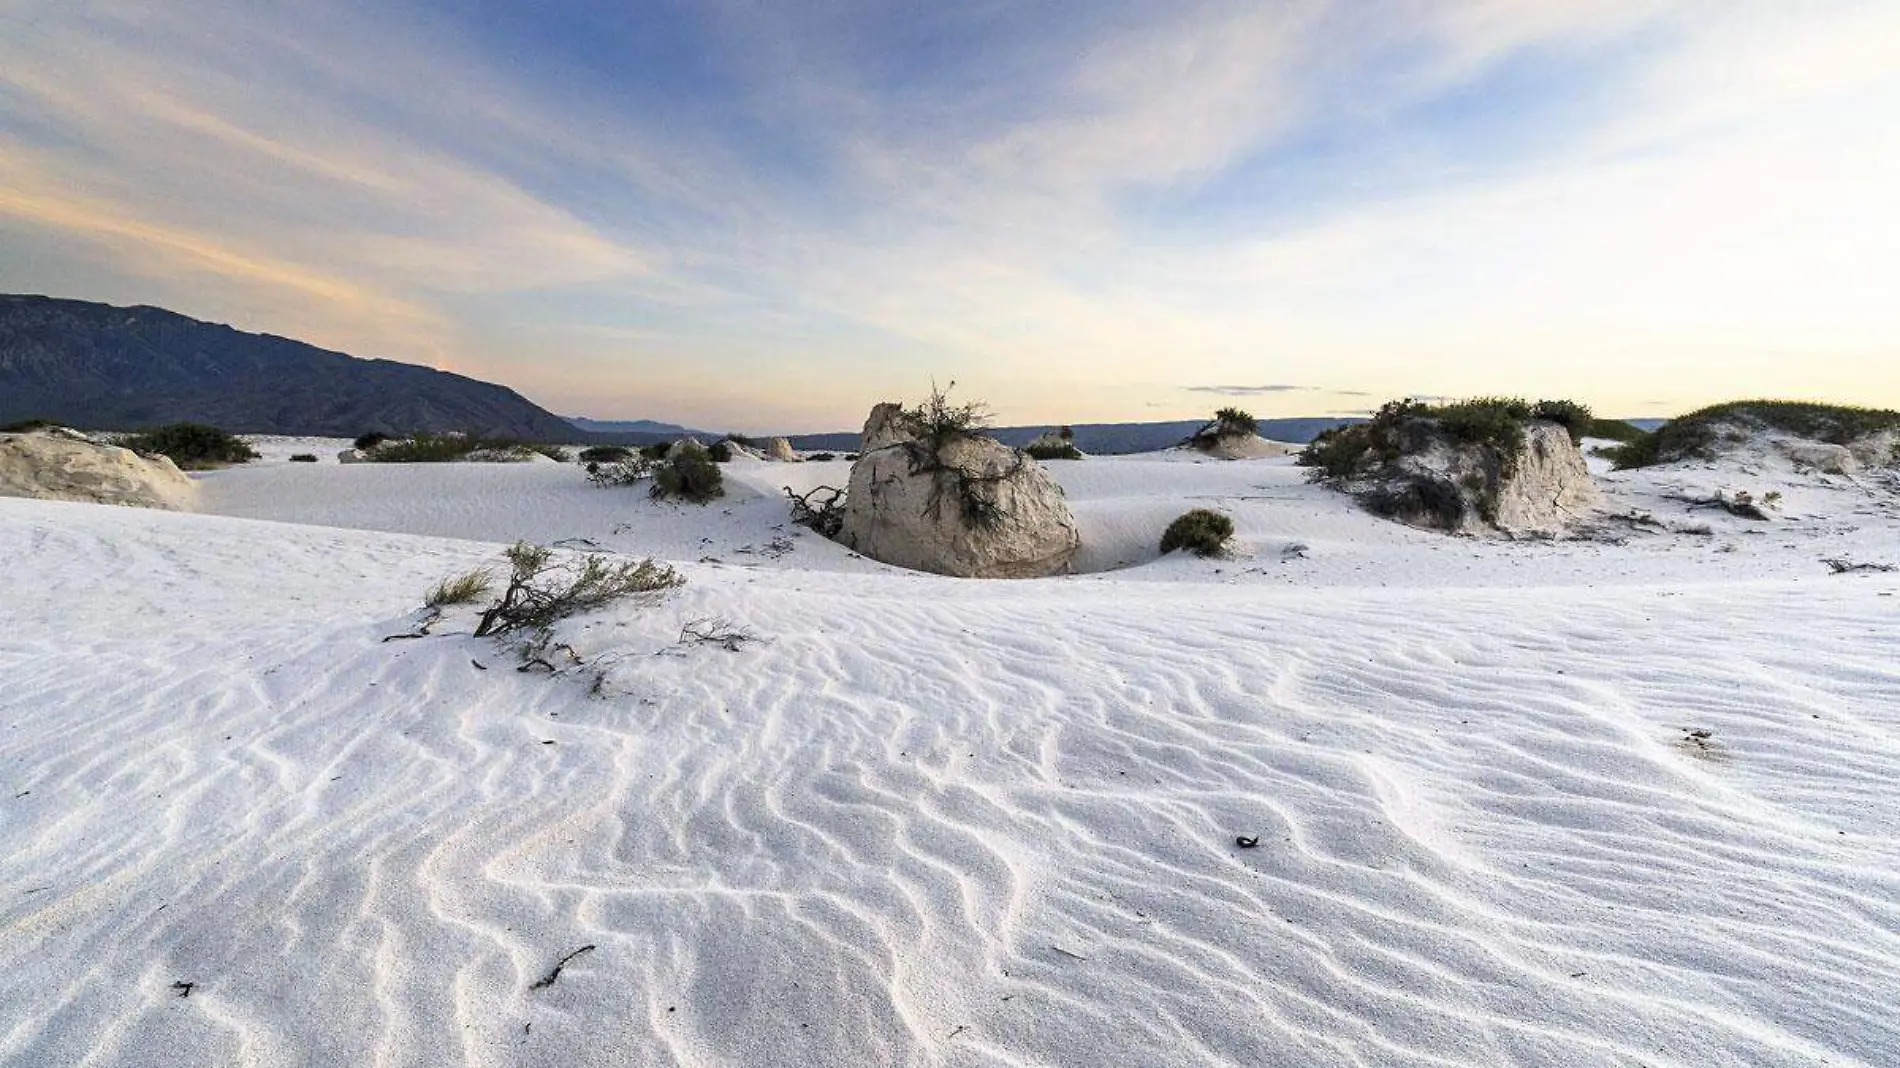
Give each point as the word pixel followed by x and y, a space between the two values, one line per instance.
pixel 1248 391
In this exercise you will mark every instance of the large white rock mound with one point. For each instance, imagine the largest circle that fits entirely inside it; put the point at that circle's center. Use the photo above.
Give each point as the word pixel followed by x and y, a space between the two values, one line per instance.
pixel 1430 479
pixel 971 507
pixel 780 449
pixel 60 465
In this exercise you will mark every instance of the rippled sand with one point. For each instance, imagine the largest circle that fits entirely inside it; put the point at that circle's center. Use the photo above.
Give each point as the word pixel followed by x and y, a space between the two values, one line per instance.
pixel 936 822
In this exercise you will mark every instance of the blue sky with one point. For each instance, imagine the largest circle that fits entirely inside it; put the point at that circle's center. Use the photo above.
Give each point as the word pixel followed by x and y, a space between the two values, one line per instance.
pixel 769 216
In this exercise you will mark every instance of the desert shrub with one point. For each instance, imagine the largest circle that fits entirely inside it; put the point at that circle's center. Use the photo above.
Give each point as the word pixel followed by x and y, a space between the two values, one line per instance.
pixel 1434 499
pixel 1642 452
pixel 25 426
pixel 557 453
pixel 1053 450
pixel 426 448
pixel 605 454
pixel 937 421
pixel 1494 421
pixel 822 457
pixel 1572 416
pixel 1613 430
pixel 1233 422
pixel 655 451
pixel 1227 423
pixel 543 590
pixel 369 441
pixel 741 439
pixel 1698 433
pixel 1334 453
pixel 462 589
pixel 691 474
pixel 191 445
pixel 719 452
pixel 623 472
pixel 1200 531
pixel 1066 433
pixel 303 458
pixel 1350 451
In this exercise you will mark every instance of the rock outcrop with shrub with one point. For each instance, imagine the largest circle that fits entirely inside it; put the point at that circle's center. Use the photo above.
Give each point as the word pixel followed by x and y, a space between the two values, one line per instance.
pixel 55 464
pixel 932 493
pixel 1234 435
pixel 1486 464
pixel 1830 438
pixel 1058 444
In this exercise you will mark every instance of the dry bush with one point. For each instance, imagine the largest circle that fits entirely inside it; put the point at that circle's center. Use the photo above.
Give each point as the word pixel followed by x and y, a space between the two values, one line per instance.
pixel 462 589
pixel 543 590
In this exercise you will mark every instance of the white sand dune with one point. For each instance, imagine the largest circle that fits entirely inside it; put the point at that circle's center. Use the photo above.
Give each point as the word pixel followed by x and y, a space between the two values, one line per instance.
pixel 939 822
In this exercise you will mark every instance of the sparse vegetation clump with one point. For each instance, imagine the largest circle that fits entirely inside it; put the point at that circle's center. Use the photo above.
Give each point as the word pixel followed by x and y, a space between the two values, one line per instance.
pixel 303 458
pixel 627 471
pixel 719 452
pixel 466 588
pixel 1053 450
pixel 192 446
pixel 427 448
pixel 1233 422
pixel 1201 531
pixel 27 426
pixel 1572 416
pixel 605 454
pixel 690 473
pixel 369 441
pixel 1497 423
pixel 543 590
pixel 822 457
pixel 1700 434
pixel 937 422
pixel 1614 430
pixel 451 447
pixel 1227 424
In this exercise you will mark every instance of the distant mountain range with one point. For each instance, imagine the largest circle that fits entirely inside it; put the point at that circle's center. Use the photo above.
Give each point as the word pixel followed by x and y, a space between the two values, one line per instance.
pixel 101 367
pixel 106 368
pixel 635 426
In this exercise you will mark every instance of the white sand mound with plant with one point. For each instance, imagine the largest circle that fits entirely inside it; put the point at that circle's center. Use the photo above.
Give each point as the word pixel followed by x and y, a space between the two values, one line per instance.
pixel 1352 794
pixel 61 465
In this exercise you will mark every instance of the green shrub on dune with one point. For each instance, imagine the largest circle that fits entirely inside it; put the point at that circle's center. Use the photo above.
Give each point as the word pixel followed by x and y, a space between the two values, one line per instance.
pixel 1202 532
pixel 690 474
pixel 192 446
pixel 1699 434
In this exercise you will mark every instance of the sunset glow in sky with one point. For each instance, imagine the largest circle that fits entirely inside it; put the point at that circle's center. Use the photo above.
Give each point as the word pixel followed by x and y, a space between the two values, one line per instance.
pixel 769 215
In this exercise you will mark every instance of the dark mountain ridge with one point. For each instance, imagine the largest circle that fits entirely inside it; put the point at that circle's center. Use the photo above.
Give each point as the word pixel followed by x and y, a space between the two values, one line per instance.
pixel 108 368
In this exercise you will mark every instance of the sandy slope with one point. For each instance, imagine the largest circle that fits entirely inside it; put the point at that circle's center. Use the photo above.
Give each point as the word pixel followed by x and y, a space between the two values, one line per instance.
pixel 940 822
